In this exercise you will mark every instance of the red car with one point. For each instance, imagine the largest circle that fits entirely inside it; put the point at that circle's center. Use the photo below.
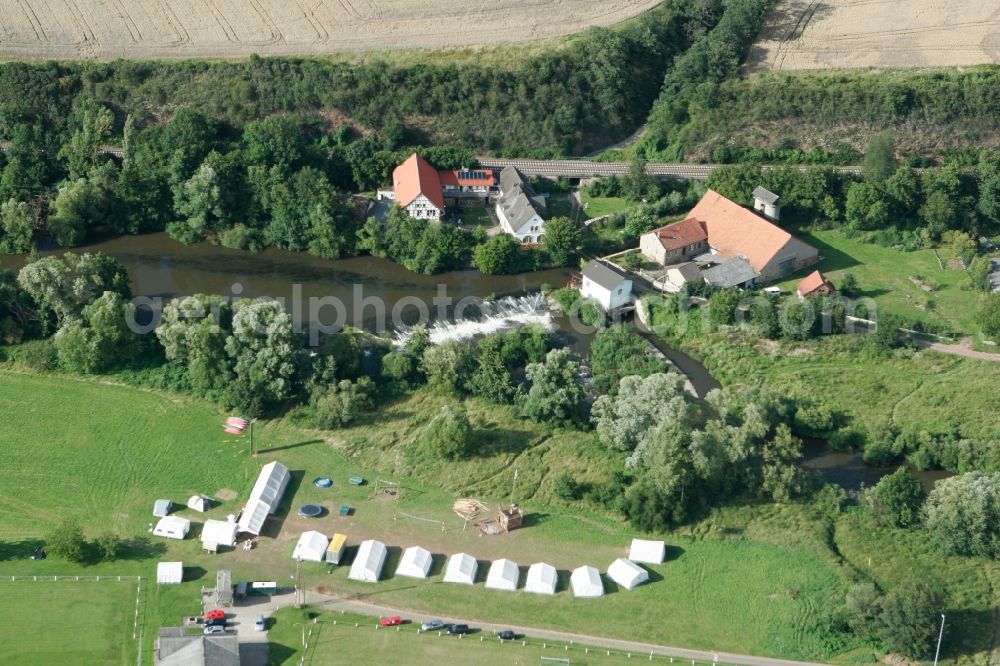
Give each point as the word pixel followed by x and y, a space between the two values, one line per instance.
pixel 391 621
pixel 217 614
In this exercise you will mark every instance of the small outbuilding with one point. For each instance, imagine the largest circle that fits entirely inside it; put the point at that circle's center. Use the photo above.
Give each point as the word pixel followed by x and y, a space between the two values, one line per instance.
pixel 504 575
pixel 542 579
pixel 415 563
pixel 217 533
pixel 169 573
pixel 815 284
pixel 368 563
pixel 586 583
pixel 311 547
pixel 172 527
pixel 162 507
pixel 627 573
pixel 335 551
pixel 607 284
pixel 649 552
pixel 461 569
pixel 199 503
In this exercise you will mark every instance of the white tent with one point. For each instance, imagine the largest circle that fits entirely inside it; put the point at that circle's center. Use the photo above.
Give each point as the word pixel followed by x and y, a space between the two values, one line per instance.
pixel 172 527
pixel 162 507
pixel 367 565
pixel 461 569
pixel 627 574
pixel 542 579
pixel 218 533
pixel 415 563
pixel 199 503
pixel 265 497
pixel 586 582
pixel 311 547
pixel 503 575
pixel 649 552
pixel 169 573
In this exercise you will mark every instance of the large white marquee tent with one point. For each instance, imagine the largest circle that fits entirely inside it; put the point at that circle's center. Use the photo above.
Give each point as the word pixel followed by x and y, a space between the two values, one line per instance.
pixel 627 573
pixel 311 547
pixel 461 569
pixel 586 583
pixel 415 563
pixel 648 552
pixel 542 579
pixel 503 575
pixel 368 563
pixel 169 573
pixel 218 533
pixel 265 497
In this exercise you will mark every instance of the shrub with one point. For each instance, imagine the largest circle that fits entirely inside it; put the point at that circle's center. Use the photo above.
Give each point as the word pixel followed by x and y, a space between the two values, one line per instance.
pixel 566 488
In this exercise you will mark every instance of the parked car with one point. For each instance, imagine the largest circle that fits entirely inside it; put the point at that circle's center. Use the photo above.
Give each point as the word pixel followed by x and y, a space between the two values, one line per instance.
pixel 391 621
pixel 432 625
pixel 217 614
pixel 260 624
pixel 216 622
pixel 215 629
pixel 456 629
pixel 507 635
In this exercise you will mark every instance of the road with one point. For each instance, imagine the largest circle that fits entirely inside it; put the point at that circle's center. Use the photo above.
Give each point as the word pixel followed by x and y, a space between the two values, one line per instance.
pixel 636 648
pixel 963 349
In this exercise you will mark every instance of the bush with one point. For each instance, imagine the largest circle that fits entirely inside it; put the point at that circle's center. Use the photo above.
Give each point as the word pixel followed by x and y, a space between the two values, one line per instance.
pixel 448 435
pixel 566 488
pixel 38 355
pixel 67 541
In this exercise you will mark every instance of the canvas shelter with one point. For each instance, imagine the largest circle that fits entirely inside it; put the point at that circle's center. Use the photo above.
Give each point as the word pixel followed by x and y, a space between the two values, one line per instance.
pixel 162 507
pixel 199 503
pixel 265 497
pixel 648 552
pixel 461 569
pixel 217 533
pixel 627 573
pixel 311 547
pixel 542 579
pixel 335 551
pixel 415 563
pixel 169 573
pixel 586 583
pixel 368 563
pixel 503 575
pixel 172 527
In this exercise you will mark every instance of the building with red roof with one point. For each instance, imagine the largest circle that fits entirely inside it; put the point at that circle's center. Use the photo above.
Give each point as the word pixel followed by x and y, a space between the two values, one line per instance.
pixel 675 242
pixel 416 187
pixel 815 284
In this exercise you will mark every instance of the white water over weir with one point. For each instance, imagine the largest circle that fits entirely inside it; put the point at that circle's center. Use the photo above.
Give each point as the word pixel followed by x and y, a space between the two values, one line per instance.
pixel 499 315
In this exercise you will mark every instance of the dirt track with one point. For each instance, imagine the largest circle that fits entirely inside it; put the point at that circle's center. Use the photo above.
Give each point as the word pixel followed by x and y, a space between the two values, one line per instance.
pixel 823 34
pixel 104 29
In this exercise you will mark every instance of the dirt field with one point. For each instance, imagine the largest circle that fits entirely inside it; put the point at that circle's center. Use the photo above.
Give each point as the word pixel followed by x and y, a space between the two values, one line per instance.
pixel 822 34
pixel 106 29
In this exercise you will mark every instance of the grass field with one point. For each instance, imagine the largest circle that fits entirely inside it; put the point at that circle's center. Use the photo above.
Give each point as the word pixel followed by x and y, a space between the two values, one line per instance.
pixel 89 623
pixel 598 206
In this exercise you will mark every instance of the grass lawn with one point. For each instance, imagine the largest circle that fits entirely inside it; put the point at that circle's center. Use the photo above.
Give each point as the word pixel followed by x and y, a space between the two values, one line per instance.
pixel 598 206
pixel 476 216
pixel 85 622
pixel 885 274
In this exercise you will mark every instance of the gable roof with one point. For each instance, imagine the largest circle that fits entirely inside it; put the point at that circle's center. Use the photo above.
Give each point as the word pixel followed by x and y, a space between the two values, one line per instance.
pixel 811 283
pixel 681 234
pixel 467 178
pixel 765 195
pixel 604 274
pixel 414 177
pixel 175 648
pixel 735 231
pixel 730 273
pixel 687 270
pixel 518 199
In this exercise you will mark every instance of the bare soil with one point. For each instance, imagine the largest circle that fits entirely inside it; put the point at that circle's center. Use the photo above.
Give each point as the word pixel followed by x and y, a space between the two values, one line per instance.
pixel 835 34
pixel 105 29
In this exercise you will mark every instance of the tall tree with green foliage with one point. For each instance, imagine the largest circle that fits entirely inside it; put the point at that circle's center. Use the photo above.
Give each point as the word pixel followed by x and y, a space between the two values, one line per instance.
pixel 962 514
pixel 193 332
pixel 989 316
pixel 880 158
pixel 556 395
pixel 17 227
pixel 496 256
pixel 641 405
pixel 82 151
pixel 100 339
pixel 63 287
pixel 618 351
pixel 898 498
pixel 909 619
pixel 67 541
pixel 448 436
pixel 265 351
pixel 562 240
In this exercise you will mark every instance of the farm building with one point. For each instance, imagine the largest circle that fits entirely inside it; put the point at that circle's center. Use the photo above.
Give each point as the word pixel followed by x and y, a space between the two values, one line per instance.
pixel 675 243
pixel 464 182
pixel 169 573
pixel 264 498
pixel 607 284
pixel 415 563
pixel 729 273
pixel 649 552
pixel 503 575
pixel 311 547
pixel 335 551
pixel 520 210
pixel 416 188
pixel 627 574
pixel 217 533
pixel 541 579
pixel 815 284
pixel 586 583
pixel 368 563
pixel 172 527
pixel 461 569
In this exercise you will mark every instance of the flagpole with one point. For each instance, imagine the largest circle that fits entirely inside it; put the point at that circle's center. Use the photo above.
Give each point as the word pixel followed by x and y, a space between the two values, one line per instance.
pixel 251 437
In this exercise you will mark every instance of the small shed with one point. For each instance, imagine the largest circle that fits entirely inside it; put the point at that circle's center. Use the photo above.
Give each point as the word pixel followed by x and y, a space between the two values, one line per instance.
pixel 172 527
pixel 649 552
pixel 311 547
pixel 586 583
pixel 169 573
pixel 768 203
pixel 815 284
pixel 504 575
pixel 217 533
pixel 162 507
pixel 199 503
pixel 368 563
pixel 415 563
pixel 542 579
pixel 627 573
pixel 461 569
pixel 510 517
pixel 335 551
pixel 224 587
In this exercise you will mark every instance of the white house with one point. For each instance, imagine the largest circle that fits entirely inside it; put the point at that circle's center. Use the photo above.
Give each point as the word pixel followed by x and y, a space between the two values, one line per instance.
pixel 416 187
pixel 172 527
pixel 586 583
pixel 520 210
pixel 607 284
pixel 461 569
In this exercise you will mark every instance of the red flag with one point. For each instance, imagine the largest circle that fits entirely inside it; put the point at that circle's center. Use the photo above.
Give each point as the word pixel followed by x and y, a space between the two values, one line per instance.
pixel 235 425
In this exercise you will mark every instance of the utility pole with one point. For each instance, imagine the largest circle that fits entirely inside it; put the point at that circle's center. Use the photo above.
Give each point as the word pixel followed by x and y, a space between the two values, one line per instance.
pixel 937 653
pixel 298 587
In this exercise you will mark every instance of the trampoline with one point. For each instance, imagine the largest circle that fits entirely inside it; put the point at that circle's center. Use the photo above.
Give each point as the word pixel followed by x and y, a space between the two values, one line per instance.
pixel 310 510
pixel 322 482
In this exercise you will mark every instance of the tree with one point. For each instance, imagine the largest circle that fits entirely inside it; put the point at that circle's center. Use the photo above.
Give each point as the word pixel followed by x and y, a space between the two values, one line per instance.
pixel 496 256
pixel 80 204
pixel 880 158
pixel 491 378
pixel 556 395
pixel 264 348
pixel 962 515
pixel 887 332
pixel 63 287
pixel 909 620
pixel 641 406
pixel 639 182
pixel 562 240
pixel 276 140
pixel 448 435
pixel 193 332
pixel 565 487
pixel 199 202
pixel 100 339
pixel 866 208
pixel 447 366
pixel 898 498
pixel 618 351
pixel 638 221
pixel 67 541
pixel 849 285
pixel 17 227
pixel 938 214
pixel 989 316
pixel 863 605
pixel 81 152
pixel 342 403
pixel 109 545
